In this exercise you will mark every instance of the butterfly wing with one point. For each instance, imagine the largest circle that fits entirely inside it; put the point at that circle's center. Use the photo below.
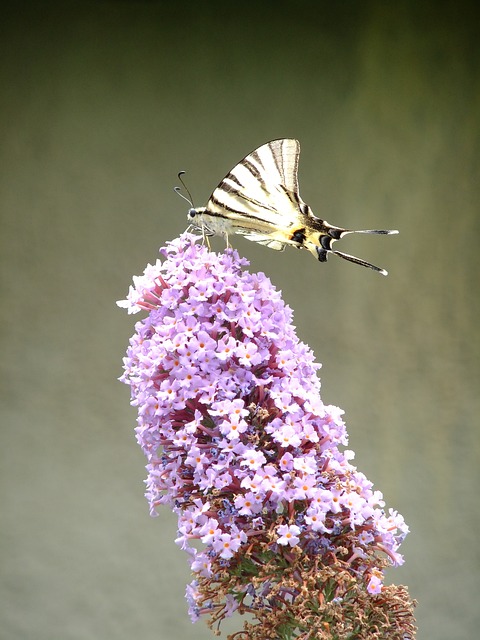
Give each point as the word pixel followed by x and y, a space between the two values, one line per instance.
pixel 259 199
pixel 259 196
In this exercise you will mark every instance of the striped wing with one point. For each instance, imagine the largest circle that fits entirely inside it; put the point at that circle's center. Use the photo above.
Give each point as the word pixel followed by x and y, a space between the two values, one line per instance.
pixel 259 196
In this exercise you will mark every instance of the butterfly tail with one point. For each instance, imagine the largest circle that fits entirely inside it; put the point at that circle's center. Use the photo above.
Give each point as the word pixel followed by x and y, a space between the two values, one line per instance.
pixel 320 242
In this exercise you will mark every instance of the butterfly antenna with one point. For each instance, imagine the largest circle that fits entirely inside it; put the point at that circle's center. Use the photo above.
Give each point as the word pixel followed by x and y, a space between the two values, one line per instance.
pixel 179 192
pixel 190 202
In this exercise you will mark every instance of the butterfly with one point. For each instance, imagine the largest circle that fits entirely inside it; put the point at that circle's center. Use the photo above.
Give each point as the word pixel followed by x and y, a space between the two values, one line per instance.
pixel 259 199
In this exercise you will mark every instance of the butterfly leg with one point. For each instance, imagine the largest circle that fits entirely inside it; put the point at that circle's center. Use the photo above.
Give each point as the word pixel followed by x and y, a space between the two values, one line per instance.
pixel 206 239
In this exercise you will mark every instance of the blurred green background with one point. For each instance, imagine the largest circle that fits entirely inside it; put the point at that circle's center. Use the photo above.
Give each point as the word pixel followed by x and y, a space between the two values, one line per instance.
pixel 102 103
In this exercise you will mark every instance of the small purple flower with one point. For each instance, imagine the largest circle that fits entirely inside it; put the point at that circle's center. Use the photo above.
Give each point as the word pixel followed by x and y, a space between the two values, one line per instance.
pixel 288 534
pixel 375 583
pixel 241 447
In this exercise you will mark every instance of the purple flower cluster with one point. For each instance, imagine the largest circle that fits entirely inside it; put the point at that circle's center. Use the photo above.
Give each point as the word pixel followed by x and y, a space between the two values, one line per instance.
pixel 237 439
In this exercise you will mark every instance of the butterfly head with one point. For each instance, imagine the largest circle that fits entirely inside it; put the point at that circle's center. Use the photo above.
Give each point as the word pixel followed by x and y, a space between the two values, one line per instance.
pixel 196 216
pixel 200 220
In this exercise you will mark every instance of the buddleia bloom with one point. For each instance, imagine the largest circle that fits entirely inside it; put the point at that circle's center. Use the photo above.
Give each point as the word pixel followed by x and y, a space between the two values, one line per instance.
pixel 274 517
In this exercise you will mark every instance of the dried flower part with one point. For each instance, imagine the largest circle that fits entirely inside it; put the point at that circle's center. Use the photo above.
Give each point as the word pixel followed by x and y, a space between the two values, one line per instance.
pixel 276 520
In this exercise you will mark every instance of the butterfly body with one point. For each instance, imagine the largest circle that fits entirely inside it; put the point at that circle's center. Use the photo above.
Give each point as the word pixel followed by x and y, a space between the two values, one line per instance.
pixel 259 199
